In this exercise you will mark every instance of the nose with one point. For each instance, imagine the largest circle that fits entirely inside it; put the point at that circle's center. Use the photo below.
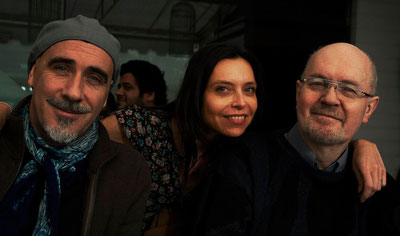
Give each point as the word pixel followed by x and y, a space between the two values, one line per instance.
pixel 330 96
pixel 238 100
pixel 119 91
pixel 73 89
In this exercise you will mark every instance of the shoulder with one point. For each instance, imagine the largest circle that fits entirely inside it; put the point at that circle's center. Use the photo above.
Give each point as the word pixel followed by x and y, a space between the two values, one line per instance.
pixel 118 159
pixel 122 182
pixel 140 124
pixel 138 114
pixel 128 161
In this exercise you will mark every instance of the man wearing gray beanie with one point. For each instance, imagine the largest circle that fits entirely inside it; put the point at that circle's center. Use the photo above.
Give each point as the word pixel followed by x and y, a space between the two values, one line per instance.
pixel 59 172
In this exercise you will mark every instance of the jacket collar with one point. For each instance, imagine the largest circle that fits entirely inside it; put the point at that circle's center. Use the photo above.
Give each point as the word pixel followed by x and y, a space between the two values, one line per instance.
pixel 101 152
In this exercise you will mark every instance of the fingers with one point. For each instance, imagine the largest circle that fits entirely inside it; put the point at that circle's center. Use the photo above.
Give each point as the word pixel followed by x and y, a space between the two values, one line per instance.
pixel 369 168
pixel 360 181
pixel 383 177
pixel 376 180
pixel 381 168
pixel 373 182
pixel 368 187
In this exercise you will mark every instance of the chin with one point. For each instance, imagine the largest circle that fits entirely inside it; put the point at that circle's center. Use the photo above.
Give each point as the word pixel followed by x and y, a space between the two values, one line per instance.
pixel 234 133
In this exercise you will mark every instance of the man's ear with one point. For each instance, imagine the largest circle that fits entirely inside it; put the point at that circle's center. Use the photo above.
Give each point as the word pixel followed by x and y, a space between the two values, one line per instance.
pixel 105 103
pixel 148 99
pixel 298 88
pixel 31 77
pixel 372 105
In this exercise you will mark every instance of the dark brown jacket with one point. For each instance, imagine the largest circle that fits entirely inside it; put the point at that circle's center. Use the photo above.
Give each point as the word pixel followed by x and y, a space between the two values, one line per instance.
pixel 118 180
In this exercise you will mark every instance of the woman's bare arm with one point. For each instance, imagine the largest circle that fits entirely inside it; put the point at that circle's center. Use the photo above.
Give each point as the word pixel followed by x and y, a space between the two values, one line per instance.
pixel 114 130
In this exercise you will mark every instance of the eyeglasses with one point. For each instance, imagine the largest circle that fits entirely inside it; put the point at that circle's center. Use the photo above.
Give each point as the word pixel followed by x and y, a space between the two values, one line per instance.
pixel 345 89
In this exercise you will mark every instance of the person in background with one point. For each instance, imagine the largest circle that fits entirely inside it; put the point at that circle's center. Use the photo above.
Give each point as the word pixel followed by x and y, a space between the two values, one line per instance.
pixel 221 91
pixel 300 181
pixel 60 174
pixel 141 83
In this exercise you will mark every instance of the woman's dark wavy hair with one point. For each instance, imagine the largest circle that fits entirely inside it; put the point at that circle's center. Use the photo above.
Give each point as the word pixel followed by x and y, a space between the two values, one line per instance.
pixel 189 101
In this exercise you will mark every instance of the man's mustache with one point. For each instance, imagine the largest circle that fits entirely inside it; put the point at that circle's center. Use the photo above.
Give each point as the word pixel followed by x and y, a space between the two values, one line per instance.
pixel 328 111
pixel 68 106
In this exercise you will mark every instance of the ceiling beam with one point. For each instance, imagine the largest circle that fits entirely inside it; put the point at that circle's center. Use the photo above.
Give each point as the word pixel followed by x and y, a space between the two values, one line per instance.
pixel 103 13
pixel 159 14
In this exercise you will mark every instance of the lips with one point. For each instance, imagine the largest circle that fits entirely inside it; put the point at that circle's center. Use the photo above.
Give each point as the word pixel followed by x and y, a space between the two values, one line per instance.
pixel 236 119
pixel 331 112
pixel 329 116
pixel 69 111
pixel 66 114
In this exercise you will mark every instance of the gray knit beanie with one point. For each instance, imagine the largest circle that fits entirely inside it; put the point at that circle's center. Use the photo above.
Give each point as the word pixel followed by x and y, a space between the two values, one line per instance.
pixel 78 28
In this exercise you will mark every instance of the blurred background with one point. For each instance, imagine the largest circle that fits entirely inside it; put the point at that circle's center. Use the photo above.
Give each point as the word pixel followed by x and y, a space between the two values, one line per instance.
pixel 282 34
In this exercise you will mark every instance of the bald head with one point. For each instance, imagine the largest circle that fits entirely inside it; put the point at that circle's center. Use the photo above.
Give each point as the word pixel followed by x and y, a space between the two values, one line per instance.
pixel 346 59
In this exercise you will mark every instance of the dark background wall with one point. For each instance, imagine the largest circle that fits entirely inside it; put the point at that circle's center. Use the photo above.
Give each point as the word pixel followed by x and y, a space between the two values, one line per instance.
pixel 282 34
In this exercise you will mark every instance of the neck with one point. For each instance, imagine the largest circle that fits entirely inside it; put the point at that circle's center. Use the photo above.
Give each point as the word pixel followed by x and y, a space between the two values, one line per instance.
pixel 326 154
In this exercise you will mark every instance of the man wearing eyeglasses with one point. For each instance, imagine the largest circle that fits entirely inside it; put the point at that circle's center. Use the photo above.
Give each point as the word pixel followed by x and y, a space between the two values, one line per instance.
pixel 314 193
pixel 300 181
pixel 332 104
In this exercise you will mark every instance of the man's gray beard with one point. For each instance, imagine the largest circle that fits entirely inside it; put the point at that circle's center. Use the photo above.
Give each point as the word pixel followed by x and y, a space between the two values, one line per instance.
pixel 60 132
pixel 317 135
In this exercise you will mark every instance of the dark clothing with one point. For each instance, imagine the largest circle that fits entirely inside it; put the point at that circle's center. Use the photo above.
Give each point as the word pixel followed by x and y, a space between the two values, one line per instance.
pixel 262 186
pixel 108 199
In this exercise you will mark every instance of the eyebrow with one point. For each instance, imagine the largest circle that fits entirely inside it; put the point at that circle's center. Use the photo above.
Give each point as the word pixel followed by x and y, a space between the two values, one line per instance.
pixel 342 81
pixel 60 60
pixel 230 83
pixel 94 69
pixel 125 84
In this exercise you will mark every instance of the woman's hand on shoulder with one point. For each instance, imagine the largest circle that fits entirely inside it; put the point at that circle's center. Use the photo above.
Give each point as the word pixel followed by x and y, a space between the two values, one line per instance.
pixel 368 167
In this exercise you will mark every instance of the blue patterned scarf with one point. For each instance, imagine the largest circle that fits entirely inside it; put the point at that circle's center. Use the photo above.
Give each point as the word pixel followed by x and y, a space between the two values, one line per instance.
pixel 41 177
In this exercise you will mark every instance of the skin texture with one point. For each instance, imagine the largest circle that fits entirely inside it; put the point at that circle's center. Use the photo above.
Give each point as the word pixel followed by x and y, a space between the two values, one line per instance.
pixel 230 101
pixel 73 72
pixel 128 93
pixel 328 121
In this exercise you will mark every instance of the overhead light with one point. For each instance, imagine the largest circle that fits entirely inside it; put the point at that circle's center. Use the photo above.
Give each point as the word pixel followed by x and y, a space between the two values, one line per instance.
pixel 30 89
pixel 23 88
